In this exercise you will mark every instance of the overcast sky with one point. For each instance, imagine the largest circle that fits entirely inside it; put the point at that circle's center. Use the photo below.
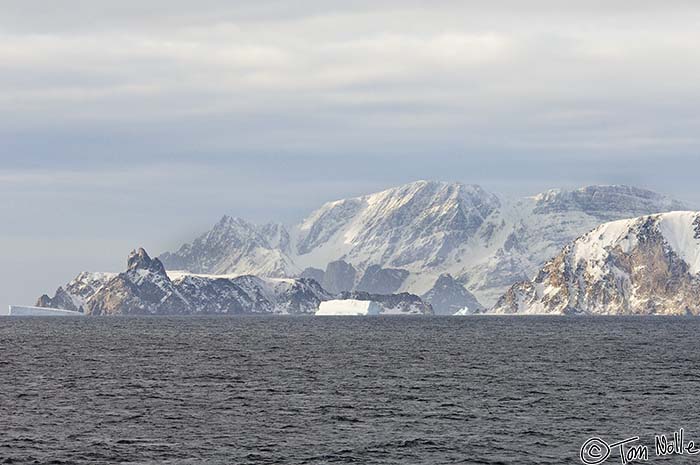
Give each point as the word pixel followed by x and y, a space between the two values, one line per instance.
pixel 131 122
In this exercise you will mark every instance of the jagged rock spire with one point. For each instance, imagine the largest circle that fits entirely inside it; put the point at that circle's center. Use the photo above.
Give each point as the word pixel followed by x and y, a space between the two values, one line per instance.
pixel 140 260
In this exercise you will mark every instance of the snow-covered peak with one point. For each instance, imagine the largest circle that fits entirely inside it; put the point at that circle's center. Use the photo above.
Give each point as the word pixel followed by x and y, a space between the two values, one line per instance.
pixel 396 197
pixel 679 230
pixel 645 265
pixel 232 227
pixel 604 200
pixel 139 260
pixel 417 232
pixel 418 222
pixel 237 246
pixel 430 190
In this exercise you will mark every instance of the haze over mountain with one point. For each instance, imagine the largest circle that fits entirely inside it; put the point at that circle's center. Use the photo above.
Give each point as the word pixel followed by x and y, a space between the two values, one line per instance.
pixel 404 238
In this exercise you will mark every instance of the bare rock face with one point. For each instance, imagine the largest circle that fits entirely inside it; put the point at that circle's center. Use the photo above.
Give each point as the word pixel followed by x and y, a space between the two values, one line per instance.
pixel 316 274
pixel 648 265
pixel 339 277
pixel 448 297
pixel 378 280
pixel 75 294
pixel 144 288
pixel 139 260
pixel 61 299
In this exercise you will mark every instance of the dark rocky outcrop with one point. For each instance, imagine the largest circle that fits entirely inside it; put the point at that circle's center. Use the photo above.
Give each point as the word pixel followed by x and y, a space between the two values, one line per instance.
pixel 448 297
pixel 339 277
pixel 378 280
pixel 316 274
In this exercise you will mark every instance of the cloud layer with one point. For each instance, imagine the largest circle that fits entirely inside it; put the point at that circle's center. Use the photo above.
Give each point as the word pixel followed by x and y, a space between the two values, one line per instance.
pixel 129 120
pixel 610 76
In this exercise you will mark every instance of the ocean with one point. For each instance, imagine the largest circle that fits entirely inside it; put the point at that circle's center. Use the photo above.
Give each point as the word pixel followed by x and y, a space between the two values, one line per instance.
pixel 336 390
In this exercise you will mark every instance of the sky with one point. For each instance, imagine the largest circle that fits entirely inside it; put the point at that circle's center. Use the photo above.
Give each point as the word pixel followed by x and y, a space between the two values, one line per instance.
pixel 130 123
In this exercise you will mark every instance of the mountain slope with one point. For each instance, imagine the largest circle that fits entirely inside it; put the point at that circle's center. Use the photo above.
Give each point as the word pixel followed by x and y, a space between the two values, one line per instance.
pixel 521 236
pixel 410 235
pixel 75 294
pixel 236 246
pixel 417 225
pixel 646 265
pixel 146 288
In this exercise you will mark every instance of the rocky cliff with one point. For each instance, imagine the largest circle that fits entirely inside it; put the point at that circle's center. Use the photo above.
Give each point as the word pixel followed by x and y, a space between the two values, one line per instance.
pixel 644 266
pixel 145 288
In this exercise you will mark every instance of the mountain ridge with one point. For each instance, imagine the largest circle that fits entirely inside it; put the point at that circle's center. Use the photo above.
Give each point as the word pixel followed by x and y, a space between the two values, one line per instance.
pixel 145 288
pixel 644 265
pixel 421 231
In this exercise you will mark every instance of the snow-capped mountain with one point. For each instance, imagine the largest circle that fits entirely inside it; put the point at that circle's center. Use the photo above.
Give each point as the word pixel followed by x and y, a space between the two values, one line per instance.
pixel 521 236
pixel 413 226
pixel 235 246
pixel 146 288
pixel 75 294
pixel 647 265
pixel 403 239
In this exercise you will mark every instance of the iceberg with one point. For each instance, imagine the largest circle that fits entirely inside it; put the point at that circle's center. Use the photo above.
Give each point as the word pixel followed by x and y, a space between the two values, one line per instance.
pixel 17 310
pixel 348 307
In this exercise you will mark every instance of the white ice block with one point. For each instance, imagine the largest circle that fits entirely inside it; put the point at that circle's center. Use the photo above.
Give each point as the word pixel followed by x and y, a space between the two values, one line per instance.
pixel 348 307
pixel 18 310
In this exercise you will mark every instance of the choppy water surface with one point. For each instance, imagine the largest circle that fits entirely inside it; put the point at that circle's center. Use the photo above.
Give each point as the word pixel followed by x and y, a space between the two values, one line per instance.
pixel 341 390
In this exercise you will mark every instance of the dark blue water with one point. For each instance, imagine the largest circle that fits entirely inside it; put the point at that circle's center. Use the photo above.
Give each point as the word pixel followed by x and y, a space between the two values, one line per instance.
pixel 369 390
